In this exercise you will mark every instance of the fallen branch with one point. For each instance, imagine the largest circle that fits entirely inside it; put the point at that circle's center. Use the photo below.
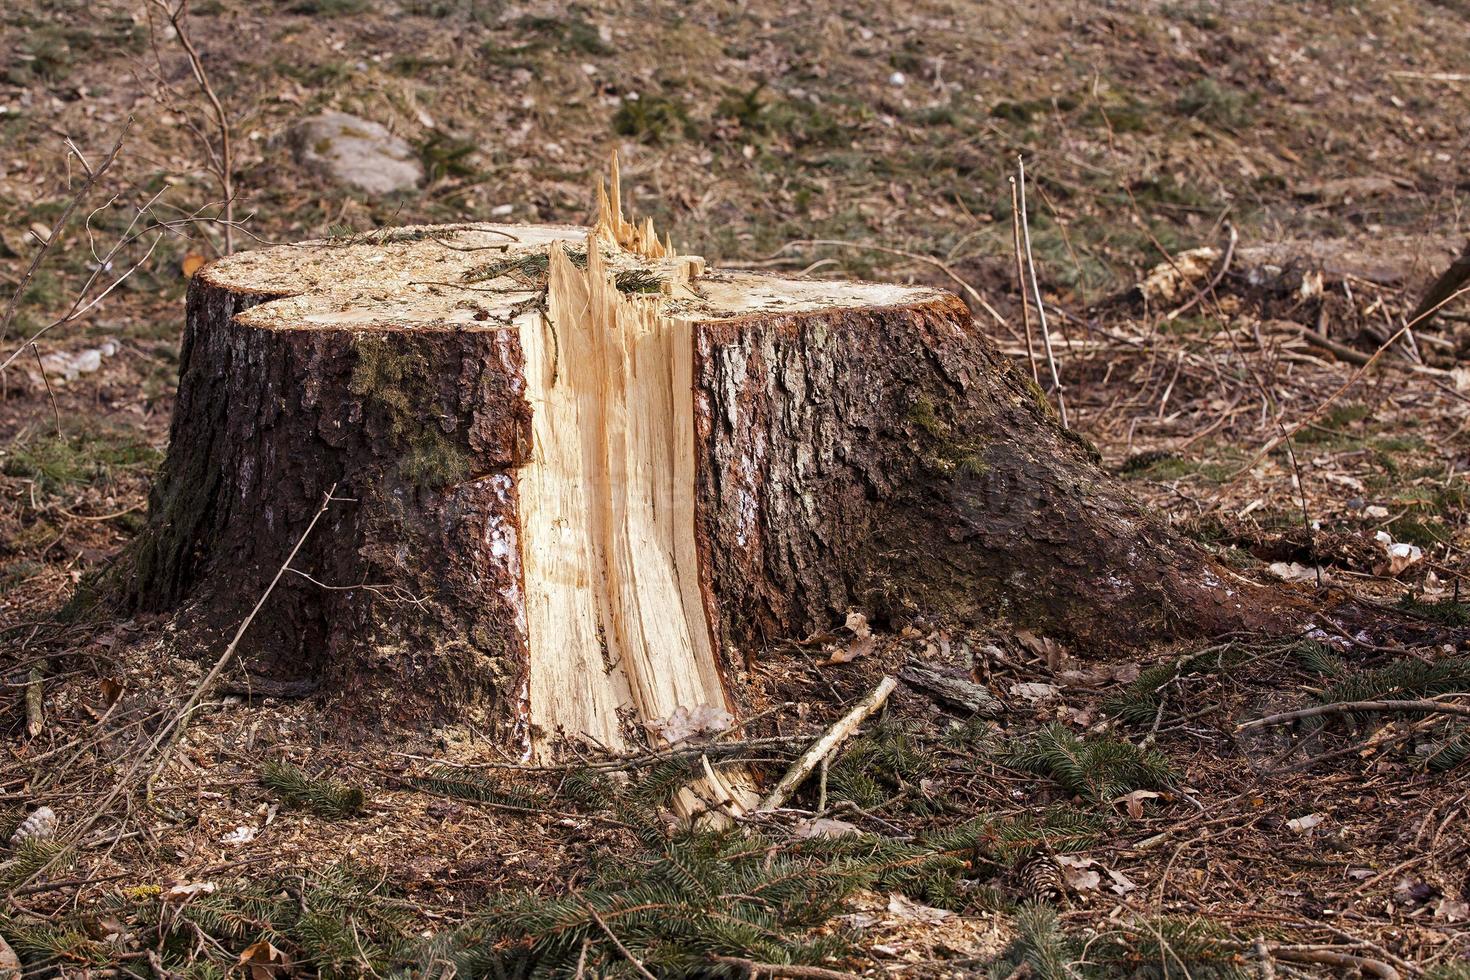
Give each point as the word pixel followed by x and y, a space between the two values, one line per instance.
pixel 1318 339
pixel 1344 707
pixel 1357 376
pixel 828 743
pixel 1324 957
pixel 35 701
pixel 753 969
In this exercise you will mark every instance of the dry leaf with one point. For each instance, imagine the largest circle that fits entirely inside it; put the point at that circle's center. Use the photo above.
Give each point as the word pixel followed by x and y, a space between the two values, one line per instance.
pixel 1295 572
pixel 1078 874
pixel 1122 884
pixel 1303 824
pixel 1452 910
pixel 906 908
pixel 685 723
pixel 1034 690
pixel 1400 554
pixel 823 827
pixel 190 890
pixel 1134 802
pixel 9 962
pixel 264 961
pixel 192 263
pixel 240 835
pixel 1049 650
pixel 858 623
pixel 860 647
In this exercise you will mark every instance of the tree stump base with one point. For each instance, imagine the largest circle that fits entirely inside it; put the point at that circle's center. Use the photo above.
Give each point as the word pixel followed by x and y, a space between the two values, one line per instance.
pixel 583 478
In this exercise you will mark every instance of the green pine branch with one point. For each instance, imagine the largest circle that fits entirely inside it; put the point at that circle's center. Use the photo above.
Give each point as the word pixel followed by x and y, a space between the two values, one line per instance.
pixel 324 797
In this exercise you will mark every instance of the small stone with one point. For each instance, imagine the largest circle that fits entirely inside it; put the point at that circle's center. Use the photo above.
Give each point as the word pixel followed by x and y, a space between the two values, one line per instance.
pixel 898 79
pixel 357 152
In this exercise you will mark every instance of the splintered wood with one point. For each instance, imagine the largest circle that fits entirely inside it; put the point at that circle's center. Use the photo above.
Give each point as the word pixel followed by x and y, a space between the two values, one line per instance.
pixel 607 511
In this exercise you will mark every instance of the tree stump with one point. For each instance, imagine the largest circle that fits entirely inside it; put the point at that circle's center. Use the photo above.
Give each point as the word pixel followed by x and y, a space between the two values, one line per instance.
pixel 582 478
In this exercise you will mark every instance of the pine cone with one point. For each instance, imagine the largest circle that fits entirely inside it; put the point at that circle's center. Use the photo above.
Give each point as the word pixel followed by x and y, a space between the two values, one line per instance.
pixel 1041 879
pixel 40 825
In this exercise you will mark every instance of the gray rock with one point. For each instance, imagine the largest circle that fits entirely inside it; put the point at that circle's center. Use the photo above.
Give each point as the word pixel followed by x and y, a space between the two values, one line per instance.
pixel 356 151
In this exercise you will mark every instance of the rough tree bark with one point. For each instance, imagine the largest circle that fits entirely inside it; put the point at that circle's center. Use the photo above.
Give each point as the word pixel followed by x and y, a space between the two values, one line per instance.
pixel 585 479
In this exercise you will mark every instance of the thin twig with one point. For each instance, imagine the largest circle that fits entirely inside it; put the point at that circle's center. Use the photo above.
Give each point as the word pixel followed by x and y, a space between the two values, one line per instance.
pixel 1051 361
pixel 93 175
pixel 222 164
pixel 627 953
pixel 1344 707
pixel 55 412
pixel 1301 489
pixel 1021 281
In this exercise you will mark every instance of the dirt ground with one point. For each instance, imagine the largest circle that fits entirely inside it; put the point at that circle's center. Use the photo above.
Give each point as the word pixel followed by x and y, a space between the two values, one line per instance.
pixel 1319 150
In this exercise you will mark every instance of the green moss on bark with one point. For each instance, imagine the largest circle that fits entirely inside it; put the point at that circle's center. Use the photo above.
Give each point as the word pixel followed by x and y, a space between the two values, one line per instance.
pixel 394 382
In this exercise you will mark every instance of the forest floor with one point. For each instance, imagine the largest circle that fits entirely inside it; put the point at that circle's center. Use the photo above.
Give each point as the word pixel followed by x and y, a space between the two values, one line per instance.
pixel 1111 819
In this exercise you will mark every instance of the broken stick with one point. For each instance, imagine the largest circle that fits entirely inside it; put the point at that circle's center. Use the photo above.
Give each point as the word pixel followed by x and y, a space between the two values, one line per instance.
pixel 828 743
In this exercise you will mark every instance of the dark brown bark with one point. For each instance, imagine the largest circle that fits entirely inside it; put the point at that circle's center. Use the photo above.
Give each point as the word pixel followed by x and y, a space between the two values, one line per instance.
pixel 420 433
pixel 891 460
pixel 880 458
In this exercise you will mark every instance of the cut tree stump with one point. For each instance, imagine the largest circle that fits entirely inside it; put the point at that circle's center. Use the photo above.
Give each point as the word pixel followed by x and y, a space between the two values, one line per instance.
pixel 583 479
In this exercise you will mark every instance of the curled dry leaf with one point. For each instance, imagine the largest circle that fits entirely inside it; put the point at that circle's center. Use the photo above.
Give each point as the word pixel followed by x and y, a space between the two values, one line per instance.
pixel 1078 873
pixel 862 643
pixel 823 827
pixel 859 647
pixel 1452 910
pixel 1134 802
pixel 1305 823
pixel 180 892
pixel 9 962
pixel 1399 554
pixel 1047 649
pixel 240 835
pixel 264 961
